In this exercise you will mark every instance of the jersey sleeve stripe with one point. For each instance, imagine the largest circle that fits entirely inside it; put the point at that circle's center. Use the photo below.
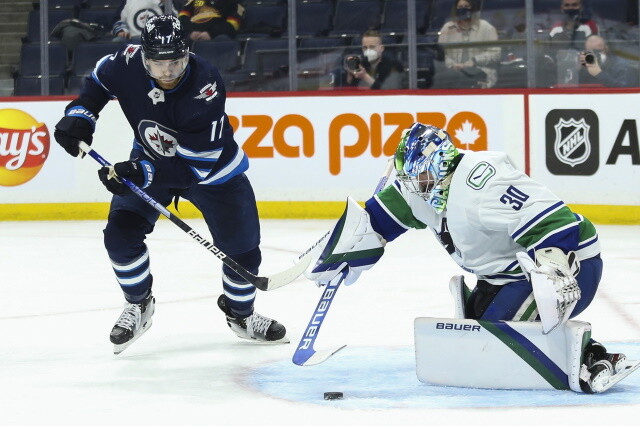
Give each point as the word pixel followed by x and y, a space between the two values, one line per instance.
pixel 94 74
pixel 538 218
pixel 212 155
pixel 238 165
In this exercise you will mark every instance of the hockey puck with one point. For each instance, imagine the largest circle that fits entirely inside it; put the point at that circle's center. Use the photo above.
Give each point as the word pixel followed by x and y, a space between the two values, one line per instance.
pixel 333 395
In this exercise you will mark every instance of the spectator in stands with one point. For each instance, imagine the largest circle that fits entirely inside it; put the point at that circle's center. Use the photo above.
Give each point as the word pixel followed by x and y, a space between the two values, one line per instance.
pixel 474 66
pixel 374 69
pixel 576 25
pixel 567 40
pixel 208 19
pixel 603 67
pixel 133 16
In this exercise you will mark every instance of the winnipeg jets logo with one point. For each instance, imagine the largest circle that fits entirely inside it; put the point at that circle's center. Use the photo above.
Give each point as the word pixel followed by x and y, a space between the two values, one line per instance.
pixel 158 139
pixel 130 51
pixel 572 145
pixel 208 92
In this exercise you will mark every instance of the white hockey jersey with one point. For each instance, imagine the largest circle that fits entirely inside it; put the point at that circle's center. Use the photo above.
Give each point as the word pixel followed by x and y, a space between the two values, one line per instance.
pixel 493 212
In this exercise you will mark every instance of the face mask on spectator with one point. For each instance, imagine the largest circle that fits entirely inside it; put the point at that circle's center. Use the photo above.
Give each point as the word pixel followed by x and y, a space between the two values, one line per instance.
pixel 572 13
pixel 371 54
pixel 603 56
pixel 463 13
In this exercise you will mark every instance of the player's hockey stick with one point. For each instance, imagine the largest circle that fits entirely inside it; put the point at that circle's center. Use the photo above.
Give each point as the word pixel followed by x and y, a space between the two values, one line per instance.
pixel 262 283
pixel 305 353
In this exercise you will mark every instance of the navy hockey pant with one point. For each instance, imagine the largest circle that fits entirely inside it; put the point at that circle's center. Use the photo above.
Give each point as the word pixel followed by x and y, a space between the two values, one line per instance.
pixel 229 209
pixel 493 302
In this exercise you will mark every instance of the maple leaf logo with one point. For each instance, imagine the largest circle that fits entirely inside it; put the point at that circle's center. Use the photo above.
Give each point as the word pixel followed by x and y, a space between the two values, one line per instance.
pixel 467 134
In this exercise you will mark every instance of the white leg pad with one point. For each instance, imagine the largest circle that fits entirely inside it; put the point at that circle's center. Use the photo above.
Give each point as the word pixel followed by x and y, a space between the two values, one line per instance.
pixel 499 354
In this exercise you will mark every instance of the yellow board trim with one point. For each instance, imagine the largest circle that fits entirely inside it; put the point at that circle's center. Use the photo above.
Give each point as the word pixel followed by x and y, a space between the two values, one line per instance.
pixel 610 215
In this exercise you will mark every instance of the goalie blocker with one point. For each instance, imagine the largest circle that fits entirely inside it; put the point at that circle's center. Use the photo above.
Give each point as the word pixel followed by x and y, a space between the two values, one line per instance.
pixel 479 354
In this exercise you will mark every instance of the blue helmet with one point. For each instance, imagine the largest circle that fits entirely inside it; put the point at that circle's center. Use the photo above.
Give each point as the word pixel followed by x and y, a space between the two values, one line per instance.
pixel 425 160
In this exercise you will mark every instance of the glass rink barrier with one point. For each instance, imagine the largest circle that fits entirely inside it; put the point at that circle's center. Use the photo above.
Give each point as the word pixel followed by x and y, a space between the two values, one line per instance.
pixel 309 45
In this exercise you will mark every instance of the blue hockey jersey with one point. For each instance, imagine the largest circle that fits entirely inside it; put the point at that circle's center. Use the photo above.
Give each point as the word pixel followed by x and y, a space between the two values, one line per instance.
pixel 184 131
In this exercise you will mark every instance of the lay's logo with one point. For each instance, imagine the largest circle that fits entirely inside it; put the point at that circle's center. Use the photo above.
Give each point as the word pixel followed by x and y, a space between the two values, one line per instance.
pixel 24 147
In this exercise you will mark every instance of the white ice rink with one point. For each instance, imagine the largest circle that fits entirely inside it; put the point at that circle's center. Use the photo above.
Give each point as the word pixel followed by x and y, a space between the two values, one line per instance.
pixel 59 300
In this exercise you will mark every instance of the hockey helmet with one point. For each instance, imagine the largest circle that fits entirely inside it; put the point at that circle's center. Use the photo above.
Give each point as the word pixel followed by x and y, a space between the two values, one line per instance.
pixel 164 42
pixel 425 160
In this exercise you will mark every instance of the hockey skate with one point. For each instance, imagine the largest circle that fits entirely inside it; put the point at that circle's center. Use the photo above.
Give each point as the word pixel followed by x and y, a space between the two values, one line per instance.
pixel 133 322
pixel 601 370
pixel 255 327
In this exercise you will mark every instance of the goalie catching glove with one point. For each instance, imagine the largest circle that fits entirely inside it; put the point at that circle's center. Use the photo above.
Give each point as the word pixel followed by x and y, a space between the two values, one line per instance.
pixel 353 244
pixel 555 288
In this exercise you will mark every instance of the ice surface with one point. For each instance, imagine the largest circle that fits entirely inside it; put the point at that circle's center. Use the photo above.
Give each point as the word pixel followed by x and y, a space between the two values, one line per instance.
pixel 59 300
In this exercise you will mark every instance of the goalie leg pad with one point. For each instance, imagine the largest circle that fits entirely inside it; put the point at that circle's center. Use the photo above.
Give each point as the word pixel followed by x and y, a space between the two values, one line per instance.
pixel 499 354
pixel 460 293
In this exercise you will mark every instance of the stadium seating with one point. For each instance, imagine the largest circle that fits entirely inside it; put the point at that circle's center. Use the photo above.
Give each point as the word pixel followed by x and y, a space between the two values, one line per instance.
pixel 30 60
pixel 31 86
pixel 85 56
pixel 395 16
pixel 313 17
pixel 33 22
pixel 61 4
pixel 104 17
pixel 353 17
pixel 224 55
pixel 317 54
pixel 259 61
pixel 104 4
pixel 263 20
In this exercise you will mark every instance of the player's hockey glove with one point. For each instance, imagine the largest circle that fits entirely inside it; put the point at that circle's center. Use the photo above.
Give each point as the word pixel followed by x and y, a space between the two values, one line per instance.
pixel 140 173
pixel 77 125
pixel 353 244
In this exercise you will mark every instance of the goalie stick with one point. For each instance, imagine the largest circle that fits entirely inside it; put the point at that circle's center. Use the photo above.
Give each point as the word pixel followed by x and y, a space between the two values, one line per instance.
pixel 262 283
pixel 305 353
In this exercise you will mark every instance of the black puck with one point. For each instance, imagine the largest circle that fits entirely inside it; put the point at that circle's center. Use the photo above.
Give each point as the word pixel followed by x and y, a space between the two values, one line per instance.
pixel 333 395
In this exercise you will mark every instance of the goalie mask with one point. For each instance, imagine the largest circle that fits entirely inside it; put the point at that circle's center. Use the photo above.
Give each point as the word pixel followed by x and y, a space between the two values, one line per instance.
pixel 425 161
pixel 165 53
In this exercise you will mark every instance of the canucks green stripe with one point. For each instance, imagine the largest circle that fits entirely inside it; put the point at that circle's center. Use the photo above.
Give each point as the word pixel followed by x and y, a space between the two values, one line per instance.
pixel 557 219
pixel 398 207
pixel 527 313
pixel 353 255
pixel 526 356
pixel 587 230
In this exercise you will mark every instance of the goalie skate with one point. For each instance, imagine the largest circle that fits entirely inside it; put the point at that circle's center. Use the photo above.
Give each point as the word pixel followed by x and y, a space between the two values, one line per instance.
pixel 134 321
pixel 254 327
pixel 601 376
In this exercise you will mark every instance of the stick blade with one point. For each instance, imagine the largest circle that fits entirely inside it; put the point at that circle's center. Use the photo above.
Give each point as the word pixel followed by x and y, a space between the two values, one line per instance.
pixel 311 357
pixel 283 278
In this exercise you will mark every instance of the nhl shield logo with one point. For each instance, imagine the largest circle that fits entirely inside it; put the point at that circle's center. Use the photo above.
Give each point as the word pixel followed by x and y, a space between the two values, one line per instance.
pixel 572 145
pixel 572 142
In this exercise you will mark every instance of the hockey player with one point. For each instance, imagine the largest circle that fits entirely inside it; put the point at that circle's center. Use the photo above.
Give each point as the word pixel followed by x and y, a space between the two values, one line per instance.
pixel 483 211
pixel 183 146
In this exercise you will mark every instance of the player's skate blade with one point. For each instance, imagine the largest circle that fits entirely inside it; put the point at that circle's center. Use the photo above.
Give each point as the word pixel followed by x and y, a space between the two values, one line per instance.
pixel 255 328
pixel 117 349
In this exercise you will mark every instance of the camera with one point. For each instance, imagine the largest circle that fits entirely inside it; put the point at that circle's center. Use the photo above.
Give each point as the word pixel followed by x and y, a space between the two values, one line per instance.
pixel 352 62
pixel 591 57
